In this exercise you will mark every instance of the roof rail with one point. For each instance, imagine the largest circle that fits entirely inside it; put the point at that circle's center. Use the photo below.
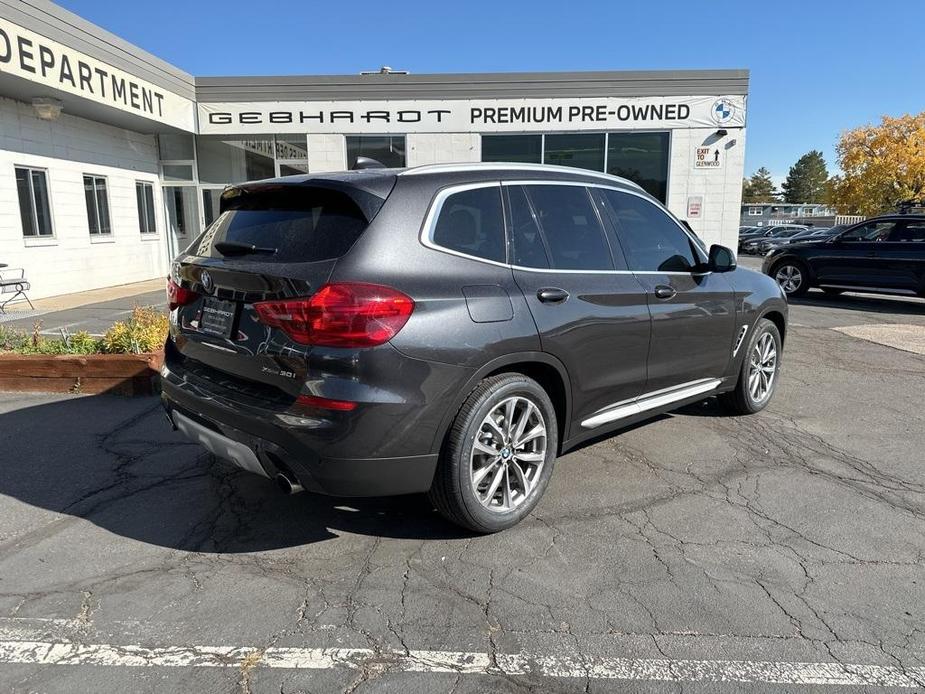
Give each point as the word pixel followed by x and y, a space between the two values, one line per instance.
pixel 502 166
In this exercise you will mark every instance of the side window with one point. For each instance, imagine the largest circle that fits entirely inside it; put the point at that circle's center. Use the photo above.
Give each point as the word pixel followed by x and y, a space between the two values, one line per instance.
pixel 529 249
pixel 570 225
pixel 907 232
pixel 471 222
pixel 651 240
pixel 874 231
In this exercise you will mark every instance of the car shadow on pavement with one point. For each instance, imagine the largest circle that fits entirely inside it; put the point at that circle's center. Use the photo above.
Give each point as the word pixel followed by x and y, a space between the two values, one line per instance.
pixel 896 305
pixel 117 463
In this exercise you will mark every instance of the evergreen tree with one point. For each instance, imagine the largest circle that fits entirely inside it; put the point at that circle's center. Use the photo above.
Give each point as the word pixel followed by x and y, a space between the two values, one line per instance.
pixel 759 188
pixel 807 180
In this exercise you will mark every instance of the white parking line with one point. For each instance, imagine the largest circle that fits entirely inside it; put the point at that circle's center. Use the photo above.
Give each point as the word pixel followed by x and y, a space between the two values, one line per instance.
pixel 638 669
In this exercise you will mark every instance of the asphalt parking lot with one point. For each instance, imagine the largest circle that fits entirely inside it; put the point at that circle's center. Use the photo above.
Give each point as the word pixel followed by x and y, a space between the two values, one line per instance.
pixel 698 552
pixel 94 318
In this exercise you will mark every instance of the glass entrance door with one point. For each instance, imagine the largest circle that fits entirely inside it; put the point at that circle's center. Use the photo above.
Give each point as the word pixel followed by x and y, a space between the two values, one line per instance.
pixel 183 222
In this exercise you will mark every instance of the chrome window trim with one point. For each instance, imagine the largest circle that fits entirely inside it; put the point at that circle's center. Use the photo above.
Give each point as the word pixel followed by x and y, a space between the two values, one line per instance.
pixel 433 214
pixel 430 220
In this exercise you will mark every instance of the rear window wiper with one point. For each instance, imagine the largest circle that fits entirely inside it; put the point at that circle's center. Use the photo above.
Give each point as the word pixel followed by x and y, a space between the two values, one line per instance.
pixel 235 248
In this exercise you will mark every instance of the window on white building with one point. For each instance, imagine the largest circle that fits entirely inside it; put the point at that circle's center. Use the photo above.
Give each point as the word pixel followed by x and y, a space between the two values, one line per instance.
pixel 387 149
pixel 34 210
pixel 144 194
pixel 97 205
pixel 754 211
pixel 527 149
pixel 581 150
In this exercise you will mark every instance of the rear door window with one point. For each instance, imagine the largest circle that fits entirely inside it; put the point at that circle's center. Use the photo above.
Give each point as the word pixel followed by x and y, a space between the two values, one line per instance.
pixel 651 240
pixel 574 237
pixel 471 222
pixel 286 226
pixel 909 232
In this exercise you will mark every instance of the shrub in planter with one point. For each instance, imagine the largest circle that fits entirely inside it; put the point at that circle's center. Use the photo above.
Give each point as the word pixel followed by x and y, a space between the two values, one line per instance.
pixel 144 332
pixel 122 361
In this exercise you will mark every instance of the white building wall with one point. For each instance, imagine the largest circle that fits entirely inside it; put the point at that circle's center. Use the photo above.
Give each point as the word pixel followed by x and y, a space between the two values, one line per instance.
pixel 326 152
pixel 67 149
pixel 442 148
pixel 721 189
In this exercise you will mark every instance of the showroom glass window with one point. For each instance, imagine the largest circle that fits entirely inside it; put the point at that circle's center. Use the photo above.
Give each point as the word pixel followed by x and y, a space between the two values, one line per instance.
pixel 568 221
pixel 144 196
pixel 581 150
pixel 389 150
pixel 223 160
pixel 471 222
pixel 651 240
pixel 291 154
pixel 34 209
pixel 641 158
pixel 97 205
pixel 524 149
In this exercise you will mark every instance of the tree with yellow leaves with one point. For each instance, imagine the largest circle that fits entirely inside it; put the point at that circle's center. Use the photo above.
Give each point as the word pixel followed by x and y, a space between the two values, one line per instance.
pixel 882 165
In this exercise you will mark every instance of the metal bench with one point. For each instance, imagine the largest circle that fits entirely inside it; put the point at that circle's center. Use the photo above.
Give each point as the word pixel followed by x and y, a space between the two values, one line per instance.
pixel 13 281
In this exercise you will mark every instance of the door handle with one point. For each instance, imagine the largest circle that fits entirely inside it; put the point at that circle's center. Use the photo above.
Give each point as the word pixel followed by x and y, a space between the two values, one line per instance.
pixel 551 295
pixel 663 291
pixel 871 254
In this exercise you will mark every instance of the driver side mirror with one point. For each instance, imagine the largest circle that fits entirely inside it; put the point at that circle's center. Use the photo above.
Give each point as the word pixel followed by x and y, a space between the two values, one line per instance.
pixel 721 259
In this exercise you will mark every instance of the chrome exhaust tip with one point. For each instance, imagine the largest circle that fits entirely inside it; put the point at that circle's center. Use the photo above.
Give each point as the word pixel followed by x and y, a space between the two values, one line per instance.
pixel 287 485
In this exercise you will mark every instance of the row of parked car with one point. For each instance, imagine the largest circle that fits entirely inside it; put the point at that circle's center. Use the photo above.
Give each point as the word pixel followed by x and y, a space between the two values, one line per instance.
pixel 760 240
pixel 882 255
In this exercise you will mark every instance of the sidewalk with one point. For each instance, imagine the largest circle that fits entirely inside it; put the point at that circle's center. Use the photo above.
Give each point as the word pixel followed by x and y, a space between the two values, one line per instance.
pixel 94 310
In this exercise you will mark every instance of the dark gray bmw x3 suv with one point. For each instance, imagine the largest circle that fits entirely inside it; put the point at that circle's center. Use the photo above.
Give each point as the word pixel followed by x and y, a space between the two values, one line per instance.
pixel 451 329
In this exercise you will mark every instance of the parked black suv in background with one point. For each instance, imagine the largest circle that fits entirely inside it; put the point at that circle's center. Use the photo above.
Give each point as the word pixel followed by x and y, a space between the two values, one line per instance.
pixel 883 255
pixel 452 329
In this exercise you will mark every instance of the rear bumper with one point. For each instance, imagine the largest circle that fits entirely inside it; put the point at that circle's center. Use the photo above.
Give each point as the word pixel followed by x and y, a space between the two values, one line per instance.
pixel 259 439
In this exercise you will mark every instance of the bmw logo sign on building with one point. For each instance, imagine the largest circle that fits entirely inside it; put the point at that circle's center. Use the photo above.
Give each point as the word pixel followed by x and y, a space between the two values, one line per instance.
pixel 723 111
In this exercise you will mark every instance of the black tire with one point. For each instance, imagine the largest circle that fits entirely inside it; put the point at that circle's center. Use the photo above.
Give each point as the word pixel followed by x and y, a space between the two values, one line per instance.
pixel 452 491
pixel 740 400
pixel 795 266
pixel 833 291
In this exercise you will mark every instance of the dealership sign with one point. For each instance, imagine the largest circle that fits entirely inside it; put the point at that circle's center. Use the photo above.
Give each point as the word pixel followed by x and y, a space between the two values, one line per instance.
pixel 454 116
pixel 33 57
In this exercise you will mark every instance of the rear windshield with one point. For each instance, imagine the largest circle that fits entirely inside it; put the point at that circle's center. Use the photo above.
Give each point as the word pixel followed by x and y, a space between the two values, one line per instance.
pixel 288 226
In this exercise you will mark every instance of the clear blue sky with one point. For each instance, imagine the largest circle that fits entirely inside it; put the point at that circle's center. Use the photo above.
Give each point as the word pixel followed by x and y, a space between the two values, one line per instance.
pixel 817 66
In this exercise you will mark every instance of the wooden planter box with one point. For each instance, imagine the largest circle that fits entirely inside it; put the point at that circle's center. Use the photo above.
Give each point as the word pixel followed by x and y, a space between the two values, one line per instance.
pixel 120 374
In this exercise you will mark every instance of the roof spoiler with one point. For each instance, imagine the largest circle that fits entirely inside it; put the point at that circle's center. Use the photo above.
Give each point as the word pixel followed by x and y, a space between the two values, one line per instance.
pixel 369 200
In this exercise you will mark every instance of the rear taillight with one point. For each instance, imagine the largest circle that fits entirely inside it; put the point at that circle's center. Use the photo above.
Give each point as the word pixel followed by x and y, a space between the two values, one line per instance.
pixel 178 296
pixel 344 314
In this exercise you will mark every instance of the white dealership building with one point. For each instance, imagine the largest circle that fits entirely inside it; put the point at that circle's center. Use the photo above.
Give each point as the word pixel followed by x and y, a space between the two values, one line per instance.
pixel 111 160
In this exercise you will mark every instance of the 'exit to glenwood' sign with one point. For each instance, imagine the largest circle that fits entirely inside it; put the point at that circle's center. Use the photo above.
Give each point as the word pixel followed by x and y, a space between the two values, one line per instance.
pixel 708 158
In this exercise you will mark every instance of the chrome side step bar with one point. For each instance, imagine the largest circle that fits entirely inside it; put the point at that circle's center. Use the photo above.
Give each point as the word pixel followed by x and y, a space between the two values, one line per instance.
pixel 650 401
pixel 867 290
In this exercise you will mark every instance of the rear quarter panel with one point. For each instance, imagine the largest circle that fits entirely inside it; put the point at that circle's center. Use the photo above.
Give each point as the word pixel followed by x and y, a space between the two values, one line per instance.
pixel 444 333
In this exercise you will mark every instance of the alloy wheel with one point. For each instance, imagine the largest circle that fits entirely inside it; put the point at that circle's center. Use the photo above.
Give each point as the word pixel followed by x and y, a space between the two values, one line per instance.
pixel 508 454
pixel 762 368
pixel 789 278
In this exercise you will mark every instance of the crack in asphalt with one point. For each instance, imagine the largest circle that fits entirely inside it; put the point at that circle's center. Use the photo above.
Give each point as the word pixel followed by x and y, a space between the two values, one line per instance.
pixel 377 588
